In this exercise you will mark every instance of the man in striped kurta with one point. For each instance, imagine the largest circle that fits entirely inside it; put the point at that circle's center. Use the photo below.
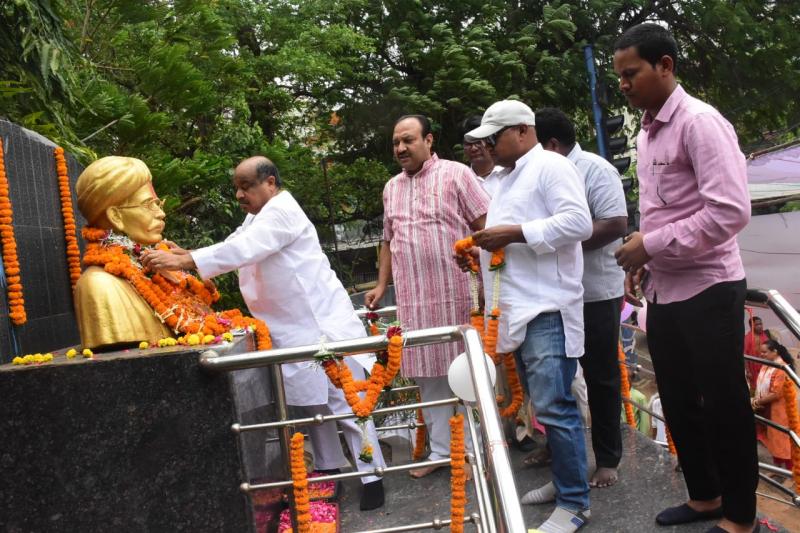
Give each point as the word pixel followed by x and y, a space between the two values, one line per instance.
pixel 427 207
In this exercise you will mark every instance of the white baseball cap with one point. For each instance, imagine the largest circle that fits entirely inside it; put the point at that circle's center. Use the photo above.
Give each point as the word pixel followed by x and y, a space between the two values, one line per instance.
pixel 500 115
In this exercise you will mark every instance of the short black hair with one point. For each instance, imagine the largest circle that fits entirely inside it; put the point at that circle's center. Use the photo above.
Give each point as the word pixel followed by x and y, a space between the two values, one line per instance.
pixel 266 168
pixel 423 121
pixel 652 42
pixel 470 123
pixel 552 123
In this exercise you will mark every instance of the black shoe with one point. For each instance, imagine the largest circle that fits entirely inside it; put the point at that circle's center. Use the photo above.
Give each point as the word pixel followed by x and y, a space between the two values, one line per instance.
pixel 683 514
pixel 372 495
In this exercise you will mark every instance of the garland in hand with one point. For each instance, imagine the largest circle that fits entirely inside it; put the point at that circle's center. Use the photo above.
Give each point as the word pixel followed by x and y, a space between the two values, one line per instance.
pixel 625 386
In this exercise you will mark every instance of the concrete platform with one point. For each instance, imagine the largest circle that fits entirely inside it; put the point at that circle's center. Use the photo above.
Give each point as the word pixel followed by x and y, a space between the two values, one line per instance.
pixel 648 483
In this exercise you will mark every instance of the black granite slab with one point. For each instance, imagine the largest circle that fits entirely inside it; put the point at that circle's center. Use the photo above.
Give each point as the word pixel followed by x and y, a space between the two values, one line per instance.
pixel 39 230
pixel 129 441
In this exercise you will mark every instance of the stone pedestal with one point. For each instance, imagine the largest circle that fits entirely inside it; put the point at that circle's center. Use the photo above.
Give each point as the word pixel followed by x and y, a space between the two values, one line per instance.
pixel 130 441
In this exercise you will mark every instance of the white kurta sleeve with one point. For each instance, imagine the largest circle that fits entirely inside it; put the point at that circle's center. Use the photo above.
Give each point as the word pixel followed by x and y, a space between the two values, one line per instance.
pixel 270 231
pixel 570 222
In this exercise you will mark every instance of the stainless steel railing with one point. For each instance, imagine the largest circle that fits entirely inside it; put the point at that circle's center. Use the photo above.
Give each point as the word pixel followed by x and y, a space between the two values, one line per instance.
pixel 498 503
pixel 773 300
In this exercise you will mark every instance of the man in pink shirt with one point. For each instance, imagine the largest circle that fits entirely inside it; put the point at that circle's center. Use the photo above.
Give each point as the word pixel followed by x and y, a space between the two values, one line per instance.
pixel 426 208
pixel 693 201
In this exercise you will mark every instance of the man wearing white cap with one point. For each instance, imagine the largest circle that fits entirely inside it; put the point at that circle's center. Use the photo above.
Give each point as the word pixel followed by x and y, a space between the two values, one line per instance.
pixel 538 213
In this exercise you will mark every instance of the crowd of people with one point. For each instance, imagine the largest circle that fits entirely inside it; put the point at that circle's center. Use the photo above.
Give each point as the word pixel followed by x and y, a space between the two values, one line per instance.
pixel 559 213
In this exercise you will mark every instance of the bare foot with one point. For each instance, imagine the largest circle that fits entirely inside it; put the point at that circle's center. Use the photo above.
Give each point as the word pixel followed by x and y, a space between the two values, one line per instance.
pixel 423 471
pixel 735 527
pixel 604 477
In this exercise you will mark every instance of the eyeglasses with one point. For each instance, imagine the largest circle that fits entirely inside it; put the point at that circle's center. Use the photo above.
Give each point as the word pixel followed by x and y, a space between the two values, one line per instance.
pixel 491 140
pixel 153 204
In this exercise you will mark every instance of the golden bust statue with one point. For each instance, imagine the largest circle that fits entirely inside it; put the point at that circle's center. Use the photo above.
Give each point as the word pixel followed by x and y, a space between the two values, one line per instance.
pixel 116 193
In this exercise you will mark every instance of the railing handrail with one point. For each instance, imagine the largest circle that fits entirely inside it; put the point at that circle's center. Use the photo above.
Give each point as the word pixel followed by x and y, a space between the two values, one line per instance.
pixel 213 361
pixel 500 473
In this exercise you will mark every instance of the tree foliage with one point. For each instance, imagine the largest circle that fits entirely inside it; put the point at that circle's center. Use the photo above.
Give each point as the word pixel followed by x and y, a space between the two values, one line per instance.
pixel 192 86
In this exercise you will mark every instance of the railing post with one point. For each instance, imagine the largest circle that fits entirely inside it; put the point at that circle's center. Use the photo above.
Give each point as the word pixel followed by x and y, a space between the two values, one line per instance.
pixel 284 433
pixel 502 476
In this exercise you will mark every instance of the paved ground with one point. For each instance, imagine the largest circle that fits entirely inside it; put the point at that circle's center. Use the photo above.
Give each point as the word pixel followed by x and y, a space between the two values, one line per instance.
pixel 648 484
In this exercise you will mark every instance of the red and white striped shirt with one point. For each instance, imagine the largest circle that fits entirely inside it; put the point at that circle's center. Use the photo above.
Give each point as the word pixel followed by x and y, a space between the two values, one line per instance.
pixel 424 215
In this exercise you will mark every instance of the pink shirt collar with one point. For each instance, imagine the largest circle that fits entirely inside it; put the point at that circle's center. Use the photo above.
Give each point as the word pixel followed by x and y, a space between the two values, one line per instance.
pixel 425 166
pixel 667 110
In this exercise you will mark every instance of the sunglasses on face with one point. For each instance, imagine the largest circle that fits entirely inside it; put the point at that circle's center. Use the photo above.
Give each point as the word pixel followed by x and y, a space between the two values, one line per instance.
pixel 491 140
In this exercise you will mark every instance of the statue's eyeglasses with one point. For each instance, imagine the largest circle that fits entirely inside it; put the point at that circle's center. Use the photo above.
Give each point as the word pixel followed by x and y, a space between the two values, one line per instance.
pixel 153 204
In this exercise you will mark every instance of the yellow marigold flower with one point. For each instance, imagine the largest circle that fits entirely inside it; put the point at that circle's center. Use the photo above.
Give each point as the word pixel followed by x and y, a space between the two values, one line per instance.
pixel 72 352
pixel 87 353
pixel 193 339
pixel 227 336
pixel 169 341
pixel 17 361
pixel 48 357
pixel 208 339
pixel 144 345
pixel 28 359
pixel 38 358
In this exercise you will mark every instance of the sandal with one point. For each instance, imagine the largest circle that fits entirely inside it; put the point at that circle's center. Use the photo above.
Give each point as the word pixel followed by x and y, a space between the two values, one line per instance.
pixel 538 458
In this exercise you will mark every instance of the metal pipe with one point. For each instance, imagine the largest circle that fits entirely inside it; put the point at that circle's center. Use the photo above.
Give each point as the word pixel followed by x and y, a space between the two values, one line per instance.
pixel 788 314
pixel 643 408
pixel 777 485
pixel 501 474
pixel 378 471
pixel 783 366
pixel 212 361
pixel 434 524
pixel 410 425
pixel 401 389
pixel 321 419
pixel 389 310
pixel 282 411
pixel 775 469
pixel 478 479
pixel 792 435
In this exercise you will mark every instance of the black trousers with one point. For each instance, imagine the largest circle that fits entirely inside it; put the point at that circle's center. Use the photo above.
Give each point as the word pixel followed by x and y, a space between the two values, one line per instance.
pixel 697 347
pixel 601 371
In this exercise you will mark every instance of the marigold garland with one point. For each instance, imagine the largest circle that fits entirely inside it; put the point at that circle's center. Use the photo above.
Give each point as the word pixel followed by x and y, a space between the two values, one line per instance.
pixel 625 386
pixel 183 306
pixel 517 395
pixel 790 399
pixel 67 214
pixel 670 443
pixel 16 303
pixel 419 444
pixel 381 376
pixel 302 502
pixel 458 474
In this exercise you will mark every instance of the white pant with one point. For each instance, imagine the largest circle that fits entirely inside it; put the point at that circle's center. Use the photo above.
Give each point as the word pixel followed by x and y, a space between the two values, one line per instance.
pixel 325 437
pixel 437 419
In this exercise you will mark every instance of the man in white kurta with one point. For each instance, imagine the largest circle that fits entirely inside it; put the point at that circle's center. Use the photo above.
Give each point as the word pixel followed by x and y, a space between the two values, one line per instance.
pixel 287 281
pixel 539 215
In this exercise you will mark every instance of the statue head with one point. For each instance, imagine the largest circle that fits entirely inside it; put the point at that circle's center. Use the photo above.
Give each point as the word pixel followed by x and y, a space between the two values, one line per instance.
pixel 117 193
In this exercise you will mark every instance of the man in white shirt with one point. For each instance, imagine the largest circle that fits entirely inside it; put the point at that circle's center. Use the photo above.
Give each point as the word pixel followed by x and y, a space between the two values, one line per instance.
pixel 480 160
pixel 603 287
pixel 287 281
pixel 538 213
